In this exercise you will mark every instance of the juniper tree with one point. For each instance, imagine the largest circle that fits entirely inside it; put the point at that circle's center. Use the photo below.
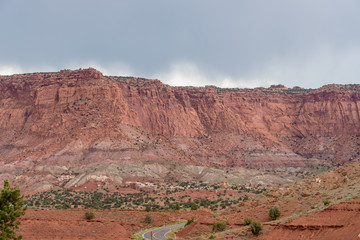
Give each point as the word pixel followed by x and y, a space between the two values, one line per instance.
pixel 274 213
pixel 11 208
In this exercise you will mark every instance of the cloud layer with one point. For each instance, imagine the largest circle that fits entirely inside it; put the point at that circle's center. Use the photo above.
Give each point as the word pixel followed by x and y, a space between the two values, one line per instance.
pixel 205 42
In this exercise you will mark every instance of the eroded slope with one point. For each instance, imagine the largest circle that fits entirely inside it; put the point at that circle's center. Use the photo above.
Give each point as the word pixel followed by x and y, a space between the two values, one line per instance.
pixel 70 127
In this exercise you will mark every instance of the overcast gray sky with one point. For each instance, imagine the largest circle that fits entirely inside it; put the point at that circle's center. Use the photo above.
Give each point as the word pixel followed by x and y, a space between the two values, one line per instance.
pixel 228 43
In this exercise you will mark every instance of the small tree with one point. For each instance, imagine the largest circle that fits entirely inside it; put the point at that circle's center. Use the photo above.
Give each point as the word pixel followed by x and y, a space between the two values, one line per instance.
pixel 147 208
pixel 219 227
pixel 89 215
pixel 247 221
pixel 274 213
pixel 11 208
pixel 256 227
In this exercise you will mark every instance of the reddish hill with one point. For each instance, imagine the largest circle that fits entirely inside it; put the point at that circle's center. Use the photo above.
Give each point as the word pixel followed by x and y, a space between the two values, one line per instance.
pixel 71 127
pixel 339 221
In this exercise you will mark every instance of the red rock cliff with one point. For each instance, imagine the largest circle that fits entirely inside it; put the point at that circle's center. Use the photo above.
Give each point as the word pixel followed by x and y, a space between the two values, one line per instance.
pixel 72 118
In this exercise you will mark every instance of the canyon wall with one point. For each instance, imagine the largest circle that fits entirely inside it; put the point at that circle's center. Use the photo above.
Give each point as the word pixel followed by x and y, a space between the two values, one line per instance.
pixel 72 125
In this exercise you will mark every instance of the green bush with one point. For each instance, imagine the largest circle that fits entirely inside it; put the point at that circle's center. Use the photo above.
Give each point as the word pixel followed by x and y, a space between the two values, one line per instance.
pixel 147 208
pixel 194 207
pixel 177 206
pixel 89 215
pixel 326 203
pixel 247 221
pixel 212 237
pixel 219 227
pixel 256 227
pixel 189 221
pixel 274 213
pixel 11 208
pixel 148 219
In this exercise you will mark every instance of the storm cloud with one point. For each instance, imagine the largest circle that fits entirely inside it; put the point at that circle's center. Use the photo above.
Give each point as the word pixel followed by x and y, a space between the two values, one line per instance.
pixel 228 43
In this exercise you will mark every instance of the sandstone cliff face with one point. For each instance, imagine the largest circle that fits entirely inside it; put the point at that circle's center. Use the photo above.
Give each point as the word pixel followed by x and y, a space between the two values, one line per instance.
pixel 74 123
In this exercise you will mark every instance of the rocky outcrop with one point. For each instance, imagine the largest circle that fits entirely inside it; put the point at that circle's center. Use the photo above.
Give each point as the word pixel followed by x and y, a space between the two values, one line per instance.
pixel 56 123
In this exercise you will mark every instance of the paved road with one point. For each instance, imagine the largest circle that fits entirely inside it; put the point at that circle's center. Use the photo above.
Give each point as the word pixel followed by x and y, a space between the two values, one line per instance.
pixel 160 233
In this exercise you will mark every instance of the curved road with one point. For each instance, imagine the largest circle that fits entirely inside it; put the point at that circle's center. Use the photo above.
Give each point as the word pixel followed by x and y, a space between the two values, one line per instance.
pixel 160 233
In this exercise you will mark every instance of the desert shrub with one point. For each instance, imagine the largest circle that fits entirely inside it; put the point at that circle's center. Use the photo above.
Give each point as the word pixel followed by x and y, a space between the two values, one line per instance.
pixel 89 215
pixel 274 213
pixel 256 227
pixel 245 198
pixel 326 203
pixel 212 237
pixel 194 207
pixel 247 221
pixel 148 219
pixel 177 206
pixel 147 208
pixel 219 227
pixel 189 221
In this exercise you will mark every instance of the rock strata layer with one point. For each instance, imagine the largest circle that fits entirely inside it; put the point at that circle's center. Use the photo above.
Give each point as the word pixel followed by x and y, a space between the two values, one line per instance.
pixel 71 127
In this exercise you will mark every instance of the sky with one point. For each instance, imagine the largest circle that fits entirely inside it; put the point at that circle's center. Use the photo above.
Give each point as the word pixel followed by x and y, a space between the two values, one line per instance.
pixel 227 43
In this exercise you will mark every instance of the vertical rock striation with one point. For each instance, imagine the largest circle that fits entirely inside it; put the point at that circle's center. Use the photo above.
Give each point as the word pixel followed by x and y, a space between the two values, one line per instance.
pixel 71 119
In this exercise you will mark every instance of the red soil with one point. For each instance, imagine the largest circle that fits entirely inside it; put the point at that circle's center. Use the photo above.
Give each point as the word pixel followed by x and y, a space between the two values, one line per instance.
pixel 71 224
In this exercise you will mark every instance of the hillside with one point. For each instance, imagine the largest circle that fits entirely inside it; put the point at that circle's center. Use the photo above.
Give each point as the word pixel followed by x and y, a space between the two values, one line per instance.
pixel 326 206
pixel 69 128
pixel 320 207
